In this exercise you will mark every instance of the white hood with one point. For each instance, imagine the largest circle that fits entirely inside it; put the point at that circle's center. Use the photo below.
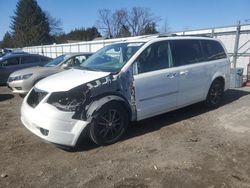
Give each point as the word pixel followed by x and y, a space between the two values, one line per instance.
pixel 68 79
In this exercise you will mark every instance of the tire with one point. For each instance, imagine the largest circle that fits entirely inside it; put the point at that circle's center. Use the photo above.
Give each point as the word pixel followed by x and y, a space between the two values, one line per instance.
pixel 215 94
pixel 109 124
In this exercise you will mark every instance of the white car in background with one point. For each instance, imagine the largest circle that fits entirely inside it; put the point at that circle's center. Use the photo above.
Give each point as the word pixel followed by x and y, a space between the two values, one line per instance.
pixel 123 82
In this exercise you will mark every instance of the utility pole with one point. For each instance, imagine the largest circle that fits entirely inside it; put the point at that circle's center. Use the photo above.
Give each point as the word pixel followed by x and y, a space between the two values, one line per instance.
pixel 236 45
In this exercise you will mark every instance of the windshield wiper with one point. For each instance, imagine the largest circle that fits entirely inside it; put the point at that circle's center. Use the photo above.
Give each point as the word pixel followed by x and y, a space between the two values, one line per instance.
pixel 86 68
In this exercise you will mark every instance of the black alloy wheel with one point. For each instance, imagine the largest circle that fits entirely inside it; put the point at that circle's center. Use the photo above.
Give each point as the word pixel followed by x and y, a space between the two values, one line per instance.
pixel 215 94
pixel 109 124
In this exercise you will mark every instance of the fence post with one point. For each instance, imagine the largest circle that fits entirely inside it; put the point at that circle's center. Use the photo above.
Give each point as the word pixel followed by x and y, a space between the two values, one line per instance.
pixel 90 47
pixel 62 48
pixel 50 51
pixel 56 49
pixel 42 49
pixel 212 33
pixel 236 45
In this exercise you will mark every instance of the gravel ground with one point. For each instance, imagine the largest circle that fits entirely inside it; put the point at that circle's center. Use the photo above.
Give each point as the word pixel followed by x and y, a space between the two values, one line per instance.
pixel 190 147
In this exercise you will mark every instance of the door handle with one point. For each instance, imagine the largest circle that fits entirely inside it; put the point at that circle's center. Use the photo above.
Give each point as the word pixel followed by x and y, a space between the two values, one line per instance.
pixel 171 75
pixel 185 72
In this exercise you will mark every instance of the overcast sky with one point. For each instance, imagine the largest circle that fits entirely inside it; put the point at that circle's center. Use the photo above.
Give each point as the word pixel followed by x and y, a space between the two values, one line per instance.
pixel 180 15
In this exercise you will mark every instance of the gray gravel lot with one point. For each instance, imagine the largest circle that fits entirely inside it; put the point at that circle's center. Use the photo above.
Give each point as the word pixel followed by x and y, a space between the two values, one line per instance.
pixel 190 147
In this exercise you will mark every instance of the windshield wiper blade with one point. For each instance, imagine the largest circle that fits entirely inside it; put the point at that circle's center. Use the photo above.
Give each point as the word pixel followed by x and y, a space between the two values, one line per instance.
pixel 86 68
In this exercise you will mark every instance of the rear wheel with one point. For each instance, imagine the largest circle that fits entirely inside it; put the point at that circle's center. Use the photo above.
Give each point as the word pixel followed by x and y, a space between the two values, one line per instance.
pixel 109 124
pixel 215 94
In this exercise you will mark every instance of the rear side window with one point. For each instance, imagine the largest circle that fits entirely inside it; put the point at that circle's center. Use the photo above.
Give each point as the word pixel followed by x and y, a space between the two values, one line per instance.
pixel 213 50
pixel 11 61
pixel 30 59
pixel 186 52
pixel 44 58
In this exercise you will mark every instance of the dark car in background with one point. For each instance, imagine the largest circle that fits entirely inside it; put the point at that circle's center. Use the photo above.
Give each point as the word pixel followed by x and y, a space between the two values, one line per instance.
pixel 16 61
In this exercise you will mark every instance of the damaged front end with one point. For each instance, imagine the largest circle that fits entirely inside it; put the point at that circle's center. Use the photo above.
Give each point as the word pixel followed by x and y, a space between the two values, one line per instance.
pixel 73 100
pixel 80 98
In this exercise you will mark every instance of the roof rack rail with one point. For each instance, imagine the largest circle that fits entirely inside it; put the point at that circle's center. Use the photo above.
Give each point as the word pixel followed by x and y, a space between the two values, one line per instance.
pixel 198 35
pixel 175 35
pixel 167 35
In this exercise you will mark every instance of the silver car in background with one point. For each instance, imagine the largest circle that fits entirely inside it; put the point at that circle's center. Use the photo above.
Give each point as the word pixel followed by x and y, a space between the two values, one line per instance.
pixel 23 80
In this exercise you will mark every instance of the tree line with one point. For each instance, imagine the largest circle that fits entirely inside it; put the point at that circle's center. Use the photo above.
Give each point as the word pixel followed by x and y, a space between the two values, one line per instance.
pixel 124 23
pixel 31 26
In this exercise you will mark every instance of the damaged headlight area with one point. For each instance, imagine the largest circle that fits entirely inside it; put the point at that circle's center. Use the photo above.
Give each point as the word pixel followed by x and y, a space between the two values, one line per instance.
pixel 69 101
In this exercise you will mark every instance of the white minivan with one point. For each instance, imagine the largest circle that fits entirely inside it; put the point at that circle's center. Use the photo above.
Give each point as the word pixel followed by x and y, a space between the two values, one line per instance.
pixel 124 82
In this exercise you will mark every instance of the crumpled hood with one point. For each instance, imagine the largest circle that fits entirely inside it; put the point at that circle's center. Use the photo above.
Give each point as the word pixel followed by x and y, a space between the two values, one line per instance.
pixel 30 70
pixel 68 79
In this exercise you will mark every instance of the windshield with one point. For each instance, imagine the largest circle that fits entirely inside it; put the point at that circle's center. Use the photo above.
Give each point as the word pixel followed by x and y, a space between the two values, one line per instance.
pixel 111 58
pixel 56 61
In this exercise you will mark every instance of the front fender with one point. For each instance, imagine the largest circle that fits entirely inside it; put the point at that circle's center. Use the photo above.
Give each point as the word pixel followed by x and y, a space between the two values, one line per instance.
pixel 96 105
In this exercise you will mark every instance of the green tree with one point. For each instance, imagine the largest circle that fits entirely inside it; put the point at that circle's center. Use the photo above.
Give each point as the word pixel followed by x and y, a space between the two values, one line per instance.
pixel 7 41
pixel 81 34
pixel 123 22
pixel 124 32
pixel 30 25
pixel 91 33
pixel 150 28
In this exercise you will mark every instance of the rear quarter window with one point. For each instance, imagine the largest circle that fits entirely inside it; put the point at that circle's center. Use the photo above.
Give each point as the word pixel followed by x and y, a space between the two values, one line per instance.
pixel 43 58
pixel 30 59
pixel 186 52
pixel 10 62
pixel 213 50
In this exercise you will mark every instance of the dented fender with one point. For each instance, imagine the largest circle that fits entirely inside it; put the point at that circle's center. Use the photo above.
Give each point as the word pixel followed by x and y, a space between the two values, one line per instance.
pixel 89 97
pixel 96 105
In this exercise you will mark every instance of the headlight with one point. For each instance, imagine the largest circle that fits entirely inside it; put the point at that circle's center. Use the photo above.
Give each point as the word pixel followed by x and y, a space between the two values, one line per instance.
pixel 71 100
pixel 22 77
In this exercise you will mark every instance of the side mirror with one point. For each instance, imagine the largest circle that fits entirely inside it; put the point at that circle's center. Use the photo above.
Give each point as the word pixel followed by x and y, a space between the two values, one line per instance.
pixel 65 65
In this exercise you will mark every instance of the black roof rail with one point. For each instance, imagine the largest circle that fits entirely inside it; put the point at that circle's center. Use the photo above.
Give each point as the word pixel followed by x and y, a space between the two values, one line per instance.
pixel 198 35
pixel 175 35
pixel 167 35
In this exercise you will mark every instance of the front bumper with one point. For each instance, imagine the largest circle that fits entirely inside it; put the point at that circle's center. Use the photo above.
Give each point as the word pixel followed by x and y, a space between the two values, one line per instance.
pixel 20 86
pixel 51 124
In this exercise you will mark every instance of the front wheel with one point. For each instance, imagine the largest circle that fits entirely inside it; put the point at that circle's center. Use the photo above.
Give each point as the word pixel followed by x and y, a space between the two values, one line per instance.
pixel 109 124
pixel 215 94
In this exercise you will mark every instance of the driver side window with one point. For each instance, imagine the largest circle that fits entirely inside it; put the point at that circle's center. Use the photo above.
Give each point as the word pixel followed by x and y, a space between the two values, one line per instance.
pixel 75 61
pixel 69 62
pixel 155 57
pixel 80 59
